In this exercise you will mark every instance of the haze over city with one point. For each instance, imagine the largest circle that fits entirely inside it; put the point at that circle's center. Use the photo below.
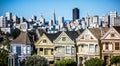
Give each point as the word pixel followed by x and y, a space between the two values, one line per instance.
pixel 27 8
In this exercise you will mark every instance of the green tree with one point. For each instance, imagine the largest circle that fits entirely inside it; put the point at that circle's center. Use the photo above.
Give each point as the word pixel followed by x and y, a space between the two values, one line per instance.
pixel 15 33
pixel 35 60
pixel 65 62
pixel 94 62
pixel 3 57
pixel 115 60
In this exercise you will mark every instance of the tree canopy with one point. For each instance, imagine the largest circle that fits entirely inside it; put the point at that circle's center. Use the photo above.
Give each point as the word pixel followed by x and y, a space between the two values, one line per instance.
pixel 94 62
pixel 115 60
pixel 35 60
pixel 15 33
pixel 66 62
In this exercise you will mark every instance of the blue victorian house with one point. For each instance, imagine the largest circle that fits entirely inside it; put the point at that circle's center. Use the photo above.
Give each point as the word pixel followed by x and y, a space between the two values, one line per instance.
pixel 22 46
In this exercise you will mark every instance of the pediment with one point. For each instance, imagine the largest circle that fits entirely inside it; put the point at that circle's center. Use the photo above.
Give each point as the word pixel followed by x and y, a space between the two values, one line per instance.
pixel 111 34
pixel 43 40
pixel 63 38
pixel 86 35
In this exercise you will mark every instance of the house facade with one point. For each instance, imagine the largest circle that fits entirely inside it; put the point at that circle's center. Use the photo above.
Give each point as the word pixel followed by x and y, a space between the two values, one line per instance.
pixel 45 46
pixel 22 46
pixel 111 44
pixel 65 45
pixel 88 45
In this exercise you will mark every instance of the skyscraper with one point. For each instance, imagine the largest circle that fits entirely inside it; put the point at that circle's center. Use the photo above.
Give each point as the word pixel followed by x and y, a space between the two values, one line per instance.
pixel 9 15
pixel 34 18
pixel 60 21
pixel 75 14
pixel 113 15
pixel 54 18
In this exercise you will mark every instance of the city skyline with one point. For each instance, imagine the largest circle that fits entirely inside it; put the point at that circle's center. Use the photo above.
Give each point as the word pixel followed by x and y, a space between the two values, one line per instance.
pixel 27 8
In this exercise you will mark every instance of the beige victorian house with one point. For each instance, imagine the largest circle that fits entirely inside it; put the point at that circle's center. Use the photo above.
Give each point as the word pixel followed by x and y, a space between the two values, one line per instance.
pixel 88 44
pixel 65 45
pixel 111 44
pixel 45 46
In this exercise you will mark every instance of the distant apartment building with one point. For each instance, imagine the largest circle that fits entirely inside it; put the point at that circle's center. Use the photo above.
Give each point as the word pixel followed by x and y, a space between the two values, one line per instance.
pixel 113 15
pixel 117 21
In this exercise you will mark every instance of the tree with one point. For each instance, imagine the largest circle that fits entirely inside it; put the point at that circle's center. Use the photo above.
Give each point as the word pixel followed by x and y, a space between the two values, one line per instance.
pixel 3 57
pixel 15 33
pixel 35 60
pixel 66 62
pixel 94 62
pixel 115 60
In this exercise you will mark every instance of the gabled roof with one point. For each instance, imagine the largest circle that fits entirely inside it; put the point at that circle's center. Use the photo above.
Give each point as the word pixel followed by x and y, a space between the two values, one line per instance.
pixel 97 31
pixel 52 36
pixel 117 28
pixel 72 34
pixel 23 38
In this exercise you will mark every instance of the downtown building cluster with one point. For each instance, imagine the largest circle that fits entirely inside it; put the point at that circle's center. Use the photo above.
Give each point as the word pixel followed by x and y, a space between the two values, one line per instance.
pixel 9 22
pixel 78 39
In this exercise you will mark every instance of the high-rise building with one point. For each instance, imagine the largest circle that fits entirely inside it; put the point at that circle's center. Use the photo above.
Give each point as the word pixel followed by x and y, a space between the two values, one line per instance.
pixel 60 21
pixel 113 15
pixel 105 20
pixel 34 18
pixel 54 18
pixel 15 18
pixel 42 19
pixel 117 21
pixel 21 19
pixel 9 15
pixel 75 14
pixel 3 21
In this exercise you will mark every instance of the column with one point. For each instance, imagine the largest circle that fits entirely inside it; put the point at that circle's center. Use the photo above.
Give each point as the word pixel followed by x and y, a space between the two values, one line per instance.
pixel 38 51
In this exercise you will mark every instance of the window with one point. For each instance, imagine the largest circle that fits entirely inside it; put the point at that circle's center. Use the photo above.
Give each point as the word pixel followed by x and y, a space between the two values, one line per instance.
pixel 29 49
pixel 41 49
pixel 44 41
pixel 87 36
pixel 73 50
pixel 91 48
pixel 46 51
pixel 59 49
pixel 96 48
pixel 68 49
pixel 52 52
pixel 63 38
pixel 112 35
pixel 81 48
pixel 117 46
pixel 106 46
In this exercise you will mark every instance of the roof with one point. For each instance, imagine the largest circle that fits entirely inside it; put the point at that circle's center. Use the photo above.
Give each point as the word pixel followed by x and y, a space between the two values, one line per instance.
pixel 72 34
pixel 23 38
pixel 117 28
pixel 52 36
pixel 97 31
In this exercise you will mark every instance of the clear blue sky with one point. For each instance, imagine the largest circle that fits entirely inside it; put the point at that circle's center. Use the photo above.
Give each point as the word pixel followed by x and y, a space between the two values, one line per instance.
pixel 27 8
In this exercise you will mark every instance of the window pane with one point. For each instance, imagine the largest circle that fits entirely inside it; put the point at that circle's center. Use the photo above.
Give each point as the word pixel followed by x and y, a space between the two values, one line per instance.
pixel 116 46
pixel 68 49
pixel 106 46
pixel 91 48
pixel 96 48
pixel 63 38
pixel 46 51
pixel 81 48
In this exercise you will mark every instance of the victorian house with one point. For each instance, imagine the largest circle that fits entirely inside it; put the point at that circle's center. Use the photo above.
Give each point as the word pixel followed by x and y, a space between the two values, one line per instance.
pixel 88 44
pixel 111 44
pixel 45 46
pixel 22 46
pixel 65 45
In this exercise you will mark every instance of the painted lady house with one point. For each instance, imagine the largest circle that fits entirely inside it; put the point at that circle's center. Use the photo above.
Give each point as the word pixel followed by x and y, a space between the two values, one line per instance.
pixel 22 46
pixel 88 44
pixel 111 44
